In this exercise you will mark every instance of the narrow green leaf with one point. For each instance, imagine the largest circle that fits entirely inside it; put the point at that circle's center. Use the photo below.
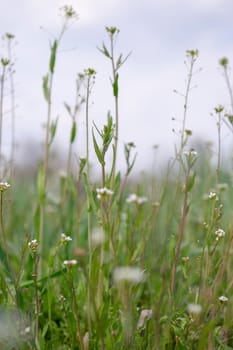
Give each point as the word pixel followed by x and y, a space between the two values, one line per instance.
pixel 82 163
pixel 41 185
pixel 132 164
pixel 73 132
pixel 97 150
pixel 37 219
pixel 53 129
pixel 45 87
pixel 190 183
pixel 105 51
pixel 119 62
pixel 43 279
pixel 89 193
pixel 53 57
pixel 115 86
pixel 67 107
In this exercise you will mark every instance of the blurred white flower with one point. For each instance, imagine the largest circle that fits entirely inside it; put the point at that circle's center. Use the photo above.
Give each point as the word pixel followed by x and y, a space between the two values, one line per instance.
pixel 190 153
pixel 33 244
pixel 219 234
pixel 70 263
pixel 97 236
pixel 194 309
pixel 145 315
pixel 65 238
pixel 128 274
pixel 102 192
pixel 133 198
pixel 223 299
pixel 4 186
pixel 213 195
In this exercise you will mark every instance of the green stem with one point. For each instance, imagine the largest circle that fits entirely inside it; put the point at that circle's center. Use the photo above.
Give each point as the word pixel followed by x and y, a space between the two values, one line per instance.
pixel 180 237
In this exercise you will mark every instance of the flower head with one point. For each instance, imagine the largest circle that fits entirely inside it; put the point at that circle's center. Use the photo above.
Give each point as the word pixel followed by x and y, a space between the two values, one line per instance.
pixel 4 186
pixel 65 239
pixel 145 315
pixel 70 263
pixel 194 309
pixel 103 192
pixel 223 299
pixel 219 234
pixel 97 236
pixel 190 157
pixel 33 244
pixel 213 195
pixel 128 274
pixel 133 198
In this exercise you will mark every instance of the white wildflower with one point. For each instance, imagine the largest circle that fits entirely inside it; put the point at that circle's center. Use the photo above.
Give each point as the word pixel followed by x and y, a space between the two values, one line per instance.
pixel 190 156
pixel 223 299
pixel 62 299
pixel 70 263
pixel 102 192
pixel 128 274
pixel 194 309
pixel 213 195
pixel 185 259
pixel 219 234
pixel 4 186
pixel 133 198
pixel 191 153
pixel 145 315
pixel 33 244
pixel 65 238
pixel 97 236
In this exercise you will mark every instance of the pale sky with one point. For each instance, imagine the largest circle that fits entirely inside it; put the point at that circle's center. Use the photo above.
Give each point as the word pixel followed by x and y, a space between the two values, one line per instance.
pixel 157 32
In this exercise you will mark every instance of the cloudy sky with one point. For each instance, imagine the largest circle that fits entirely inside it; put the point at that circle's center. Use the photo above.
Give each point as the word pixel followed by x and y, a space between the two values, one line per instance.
pixel 157 32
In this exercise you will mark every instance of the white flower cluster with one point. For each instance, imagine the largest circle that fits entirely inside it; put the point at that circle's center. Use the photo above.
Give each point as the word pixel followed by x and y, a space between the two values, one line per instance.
pixel 194 309
pixel 102 192
pixel 33 244
pixel 128 274
pixel 70 263
pixel 190 153
pixel 223 299
pixel 65 239
pixel 4 186
pixel 133 198
pixel 219 234
pixel 213 195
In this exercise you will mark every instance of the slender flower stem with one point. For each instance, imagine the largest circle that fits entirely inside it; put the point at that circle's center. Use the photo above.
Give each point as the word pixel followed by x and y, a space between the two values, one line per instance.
pixel 34 277
pixel 75 309
pixel 180 237
pixel 2 81
pixel 114 73
pixel 192 55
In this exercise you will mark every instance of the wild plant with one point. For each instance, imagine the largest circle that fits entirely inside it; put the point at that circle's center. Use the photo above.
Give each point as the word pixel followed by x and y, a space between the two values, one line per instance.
pixel 69 15
pixel 116 65
pixel 123 266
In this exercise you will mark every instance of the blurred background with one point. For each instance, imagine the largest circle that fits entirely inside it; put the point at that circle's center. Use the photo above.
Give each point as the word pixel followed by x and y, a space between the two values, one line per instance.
pixel 158 33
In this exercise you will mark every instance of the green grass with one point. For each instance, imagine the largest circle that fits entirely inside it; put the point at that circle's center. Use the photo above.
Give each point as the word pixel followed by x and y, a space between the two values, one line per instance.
pixel 121 262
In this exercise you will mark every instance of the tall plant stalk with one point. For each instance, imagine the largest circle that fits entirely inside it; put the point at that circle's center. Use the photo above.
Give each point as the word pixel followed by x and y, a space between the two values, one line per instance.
pixel 50 130
pixel 116 65
pixel 4 63
pixel 192 56
pixel 10 37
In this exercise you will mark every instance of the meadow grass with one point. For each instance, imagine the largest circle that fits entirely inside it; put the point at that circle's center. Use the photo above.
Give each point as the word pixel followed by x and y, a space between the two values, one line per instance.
pixel 119 262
